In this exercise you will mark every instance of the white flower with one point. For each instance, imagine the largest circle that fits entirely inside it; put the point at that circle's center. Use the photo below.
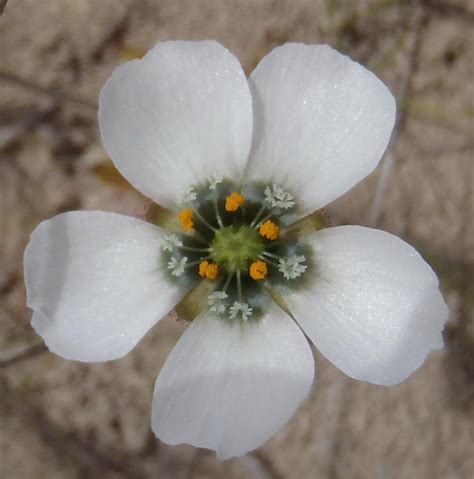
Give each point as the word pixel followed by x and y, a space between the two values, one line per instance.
pixel 171 241
pixel 293 266
pixel 216 301
pixel 177 266
pixel 277 197
pixel 243 309
pixel 97 282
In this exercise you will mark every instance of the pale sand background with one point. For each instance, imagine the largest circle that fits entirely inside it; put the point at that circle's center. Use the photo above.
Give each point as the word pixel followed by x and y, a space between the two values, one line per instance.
pixel 60 419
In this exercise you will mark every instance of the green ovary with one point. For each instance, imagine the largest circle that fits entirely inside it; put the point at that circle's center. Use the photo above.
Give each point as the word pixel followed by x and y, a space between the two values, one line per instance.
pixel 234 248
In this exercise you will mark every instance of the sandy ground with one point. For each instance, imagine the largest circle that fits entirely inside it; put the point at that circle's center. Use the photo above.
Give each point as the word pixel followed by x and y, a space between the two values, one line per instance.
pixel 61 419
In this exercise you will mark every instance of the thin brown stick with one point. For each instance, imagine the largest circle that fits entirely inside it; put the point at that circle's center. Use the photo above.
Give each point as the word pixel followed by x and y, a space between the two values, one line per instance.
pixel 19 354
pixel 54 94
pixel 26 124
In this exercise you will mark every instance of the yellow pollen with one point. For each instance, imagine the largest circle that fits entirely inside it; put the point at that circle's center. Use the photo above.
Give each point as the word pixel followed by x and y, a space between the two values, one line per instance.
pixel 203 268
pixel 258 270
pixel 269 230
pixel 208 270
pixel 234 201
pixel 186 218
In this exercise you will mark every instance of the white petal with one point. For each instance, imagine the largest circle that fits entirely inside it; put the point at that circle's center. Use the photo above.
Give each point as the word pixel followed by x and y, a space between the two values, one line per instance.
pixel 321 122
pixel 176 117
pixel 373 306
pixel 95 283
pixel 229 386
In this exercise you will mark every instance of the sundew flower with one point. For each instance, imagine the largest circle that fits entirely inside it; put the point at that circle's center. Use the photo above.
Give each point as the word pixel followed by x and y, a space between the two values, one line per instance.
pixel 237 169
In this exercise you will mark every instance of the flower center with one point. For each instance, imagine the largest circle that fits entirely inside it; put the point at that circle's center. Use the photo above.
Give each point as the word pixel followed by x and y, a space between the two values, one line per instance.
pixel 236 248
pixel 237 242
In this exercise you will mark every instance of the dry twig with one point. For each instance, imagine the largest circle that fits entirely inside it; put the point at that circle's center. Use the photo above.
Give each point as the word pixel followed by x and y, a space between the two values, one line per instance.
pixel 19 354
pixel 3 4
pixel 26 124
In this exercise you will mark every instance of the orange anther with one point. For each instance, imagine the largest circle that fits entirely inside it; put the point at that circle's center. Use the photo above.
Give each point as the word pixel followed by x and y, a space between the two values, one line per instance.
pixel 208 270
pixel 269 230
pixel 203 268
pixel 212 271
pixel 234 201
pixel 258 270
pixel 186 218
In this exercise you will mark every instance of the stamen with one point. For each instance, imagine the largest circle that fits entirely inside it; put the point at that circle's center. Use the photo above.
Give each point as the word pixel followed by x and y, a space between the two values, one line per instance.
pixel 275 243
pixel 216 301
pixel 292 267
pixel 194 235
pixel 171 241
pixel 227 281
pixel 243 308
pixel 212 271
pixel 203 220
pixel 263 258
pixel 177 265
pixel 257 217
pixel 216 210
pixel 194 263
pixel 267 216
pixel 239 286
pixel 269 230
pixel 208 270
pixel 192 248
pixel 271 255
pixel 234 201
pixel 258 270
pixel 203 268
pixel 186 218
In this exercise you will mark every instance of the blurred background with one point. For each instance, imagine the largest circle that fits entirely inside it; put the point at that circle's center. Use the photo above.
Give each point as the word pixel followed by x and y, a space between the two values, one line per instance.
pixel 62 419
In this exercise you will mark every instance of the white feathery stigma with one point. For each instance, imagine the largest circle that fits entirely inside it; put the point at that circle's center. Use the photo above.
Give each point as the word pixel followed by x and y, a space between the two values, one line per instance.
pixel 177 265
pixel 216 301
pixel 292 267
pixel 214 181
pixel 189 196
pixel 277 197
pixel 243 308
pixel 171 241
